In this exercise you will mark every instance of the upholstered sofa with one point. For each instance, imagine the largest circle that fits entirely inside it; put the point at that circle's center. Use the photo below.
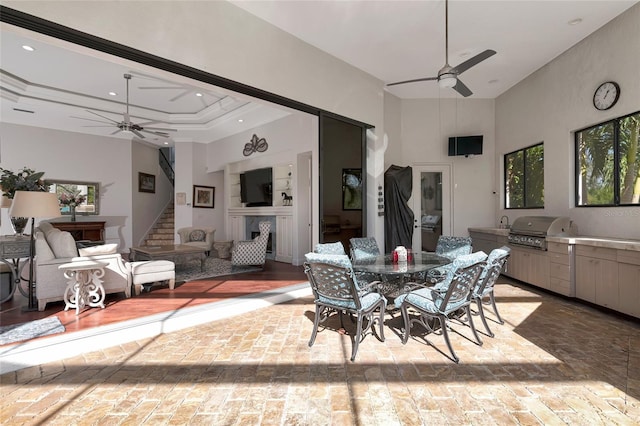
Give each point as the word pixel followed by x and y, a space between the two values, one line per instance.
pixel 197 237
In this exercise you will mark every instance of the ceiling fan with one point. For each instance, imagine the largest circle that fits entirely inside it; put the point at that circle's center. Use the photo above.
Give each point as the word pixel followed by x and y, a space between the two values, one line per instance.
pixel 448 75
pixel 126 125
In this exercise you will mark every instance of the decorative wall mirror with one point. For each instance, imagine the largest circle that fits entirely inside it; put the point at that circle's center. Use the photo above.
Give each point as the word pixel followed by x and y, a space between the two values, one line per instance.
pixel 84 196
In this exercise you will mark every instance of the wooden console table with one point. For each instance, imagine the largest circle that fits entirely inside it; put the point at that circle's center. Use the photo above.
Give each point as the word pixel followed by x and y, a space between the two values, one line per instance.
pixel 92 231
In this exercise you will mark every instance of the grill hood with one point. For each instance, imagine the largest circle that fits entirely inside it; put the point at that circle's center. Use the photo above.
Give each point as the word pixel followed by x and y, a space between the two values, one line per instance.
pixel 543 226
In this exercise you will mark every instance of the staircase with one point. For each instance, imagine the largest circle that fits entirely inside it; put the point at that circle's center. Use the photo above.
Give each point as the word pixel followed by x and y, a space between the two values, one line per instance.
pixel 163 231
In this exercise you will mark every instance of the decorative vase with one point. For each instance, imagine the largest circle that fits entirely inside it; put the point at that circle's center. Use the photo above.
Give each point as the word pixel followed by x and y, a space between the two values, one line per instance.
pixel 73 213
pixel 18 224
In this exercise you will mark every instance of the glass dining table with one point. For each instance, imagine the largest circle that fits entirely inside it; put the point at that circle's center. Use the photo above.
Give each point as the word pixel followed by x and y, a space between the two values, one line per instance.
pixel 398 277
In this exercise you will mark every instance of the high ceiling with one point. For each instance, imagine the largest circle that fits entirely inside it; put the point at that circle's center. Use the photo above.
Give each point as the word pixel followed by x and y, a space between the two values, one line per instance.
pixel 391 40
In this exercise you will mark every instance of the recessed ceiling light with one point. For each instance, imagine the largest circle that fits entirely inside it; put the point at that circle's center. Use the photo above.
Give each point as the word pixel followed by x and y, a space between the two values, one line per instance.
pixel 198 94
pixel 166 143
pixel 113 94
pixel 575 21
pixel 28 48
pixel 240 120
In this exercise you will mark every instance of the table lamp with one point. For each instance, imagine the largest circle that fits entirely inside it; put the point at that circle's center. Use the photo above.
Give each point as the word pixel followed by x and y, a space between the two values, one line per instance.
pixel 34 204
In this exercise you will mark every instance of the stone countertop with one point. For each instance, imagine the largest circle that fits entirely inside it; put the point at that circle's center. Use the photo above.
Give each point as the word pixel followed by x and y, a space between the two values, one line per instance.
pixel 495 231
pixel 604 242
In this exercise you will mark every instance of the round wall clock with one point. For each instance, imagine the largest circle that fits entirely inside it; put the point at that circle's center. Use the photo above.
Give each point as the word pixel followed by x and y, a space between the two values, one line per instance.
pixel 606 95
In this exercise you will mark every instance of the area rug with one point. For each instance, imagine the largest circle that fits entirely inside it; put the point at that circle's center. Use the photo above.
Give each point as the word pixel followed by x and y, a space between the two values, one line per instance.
pixel 213 267
pixel 30 330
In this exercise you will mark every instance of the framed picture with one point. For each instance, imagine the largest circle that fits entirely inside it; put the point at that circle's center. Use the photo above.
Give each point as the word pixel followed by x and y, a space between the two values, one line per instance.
pixel 203 196
pixel 146 182
pixel 351 189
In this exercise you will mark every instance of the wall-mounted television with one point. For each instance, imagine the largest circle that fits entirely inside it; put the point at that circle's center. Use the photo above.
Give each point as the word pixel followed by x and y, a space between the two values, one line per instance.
pixel 465 145
pixel 256 187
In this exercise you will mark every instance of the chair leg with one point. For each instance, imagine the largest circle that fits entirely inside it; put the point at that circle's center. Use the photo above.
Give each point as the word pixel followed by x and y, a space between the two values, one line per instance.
pixel 407 324
pixel 316 323
pixel 443 327
pixel 357 338
pixel 381 320
pixel 472 325
pixel 484 320
pixel 495 308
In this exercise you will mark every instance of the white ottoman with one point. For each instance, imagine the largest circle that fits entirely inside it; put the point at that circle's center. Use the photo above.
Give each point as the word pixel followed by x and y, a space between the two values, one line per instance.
pixel 152 271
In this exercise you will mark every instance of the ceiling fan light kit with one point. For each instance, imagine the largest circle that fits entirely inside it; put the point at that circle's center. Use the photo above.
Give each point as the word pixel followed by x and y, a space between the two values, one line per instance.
pixel 448 75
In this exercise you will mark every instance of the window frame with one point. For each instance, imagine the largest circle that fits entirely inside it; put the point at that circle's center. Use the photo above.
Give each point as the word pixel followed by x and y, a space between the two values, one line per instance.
pixel 616 163
pixel 524 173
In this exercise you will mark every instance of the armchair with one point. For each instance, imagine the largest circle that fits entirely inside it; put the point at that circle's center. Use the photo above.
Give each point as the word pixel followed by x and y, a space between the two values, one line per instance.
pixel 54 248
pixel 252 252
pixel 484 287
pixel 336 289
pixel 452 303
pixel 451 247
pixel 197 237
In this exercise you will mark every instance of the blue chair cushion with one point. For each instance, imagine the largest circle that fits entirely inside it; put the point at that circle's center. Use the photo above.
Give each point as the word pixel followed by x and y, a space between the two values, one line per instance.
pixel 330 248
pixel 367 301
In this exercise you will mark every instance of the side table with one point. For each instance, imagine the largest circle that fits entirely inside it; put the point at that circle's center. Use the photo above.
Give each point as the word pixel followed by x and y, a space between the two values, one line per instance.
pixel 85 284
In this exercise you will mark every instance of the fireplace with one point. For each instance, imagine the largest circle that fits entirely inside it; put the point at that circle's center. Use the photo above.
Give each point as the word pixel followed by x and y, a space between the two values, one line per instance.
pixel 269 241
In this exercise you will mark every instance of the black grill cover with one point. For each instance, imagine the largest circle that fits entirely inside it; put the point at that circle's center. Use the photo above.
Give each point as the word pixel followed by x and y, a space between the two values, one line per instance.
pixel 398 217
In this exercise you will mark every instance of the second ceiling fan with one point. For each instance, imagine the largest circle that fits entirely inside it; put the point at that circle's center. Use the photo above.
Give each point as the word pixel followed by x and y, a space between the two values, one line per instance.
pixel 448 76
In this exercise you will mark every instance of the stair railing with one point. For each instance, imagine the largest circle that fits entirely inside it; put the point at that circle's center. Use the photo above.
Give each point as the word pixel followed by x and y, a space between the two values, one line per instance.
pixel 165 164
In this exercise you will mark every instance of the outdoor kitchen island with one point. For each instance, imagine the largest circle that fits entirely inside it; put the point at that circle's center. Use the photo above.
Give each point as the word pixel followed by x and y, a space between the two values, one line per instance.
pixel 600 270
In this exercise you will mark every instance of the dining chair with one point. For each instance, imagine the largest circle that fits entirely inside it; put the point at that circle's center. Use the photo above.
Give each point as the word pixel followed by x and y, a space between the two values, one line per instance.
pixel 330 248
pixel 485 285
pixel 363 248
pixel 336 290
pixel 424 306
pixel 451 247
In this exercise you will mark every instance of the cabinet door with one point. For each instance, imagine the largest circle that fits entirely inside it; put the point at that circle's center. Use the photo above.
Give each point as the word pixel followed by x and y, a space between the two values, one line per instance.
pixel 607 288
pixel 516 265
pixel 538 269
pixel 284 238
pixel 585 278
pixel 629 290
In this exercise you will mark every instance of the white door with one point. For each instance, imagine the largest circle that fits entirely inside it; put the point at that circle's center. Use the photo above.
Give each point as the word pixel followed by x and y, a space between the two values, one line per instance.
pixel 431 204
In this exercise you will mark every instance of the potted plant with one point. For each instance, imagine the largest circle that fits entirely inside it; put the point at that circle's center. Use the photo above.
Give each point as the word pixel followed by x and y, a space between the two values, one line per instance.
pixel 24 180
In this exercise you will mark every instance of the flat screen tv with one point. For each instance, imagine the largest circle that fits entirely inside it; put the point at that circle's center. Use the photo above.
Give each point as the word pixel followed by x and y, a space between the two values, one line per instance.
pixel 256 187
pixel 465 145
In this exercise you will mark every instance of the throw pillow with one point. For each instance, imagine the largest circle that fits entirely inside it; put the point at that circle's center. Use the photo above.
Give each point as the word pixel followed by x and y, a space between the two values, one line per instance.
pixel 197 235
pixel 62 244
pixel 98 250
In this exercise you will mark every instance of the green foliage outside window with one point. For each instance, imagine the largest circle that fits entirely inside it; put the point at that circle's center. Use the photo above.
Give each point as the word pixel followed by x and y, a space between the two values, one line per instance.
pixel 608 163
pixel 524 178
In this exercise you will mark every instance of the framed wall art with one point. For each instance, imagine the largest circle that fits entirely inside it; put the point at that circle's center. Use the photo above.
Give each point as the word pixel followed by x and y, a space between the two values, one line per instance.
pixel 203 196
pixel 146 182
pixel 351 189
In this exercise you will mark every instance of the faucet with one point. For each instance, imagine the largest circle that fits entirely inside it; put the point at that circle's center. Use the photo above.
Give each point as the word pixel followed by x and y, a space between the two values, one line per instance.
pixel 502 225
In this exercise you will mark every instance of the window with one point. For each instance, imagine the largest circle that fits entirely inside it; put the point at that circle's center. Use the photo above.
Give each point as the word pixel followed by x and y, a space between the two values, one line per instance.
pixel 608 163
pixel 524 178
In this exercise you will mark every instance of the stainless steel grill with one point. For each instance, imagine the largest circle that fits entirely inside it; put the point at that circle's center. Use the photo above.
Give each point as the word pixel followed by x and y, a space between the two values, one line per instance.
pixel 532 231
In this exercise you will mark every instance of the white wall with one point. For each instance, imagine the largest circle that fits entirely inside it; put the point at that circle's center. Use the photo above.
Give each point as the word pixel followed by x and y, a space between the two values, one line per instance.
pixel 75 156
pixel 147 207
pixel 554 102
pixel 426 126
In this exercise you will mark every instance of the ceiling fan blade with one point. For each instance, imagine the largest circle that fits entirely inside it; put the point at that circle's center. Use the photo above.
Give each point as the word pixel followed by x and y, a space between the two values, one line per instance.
pixel 148 122
pixel 117 131
pixel 106 125
pixel 164 135
pixel 106 118
pixel 137 133
pixel 412 81
pixel 462 89
pixel 474 61
pixel 88 119
pixel 164 129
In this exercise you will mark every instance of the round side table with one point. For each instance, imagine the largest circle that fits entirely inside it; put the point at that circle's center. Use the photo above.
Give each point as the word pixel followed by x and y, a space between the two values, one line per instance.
pixel 85 284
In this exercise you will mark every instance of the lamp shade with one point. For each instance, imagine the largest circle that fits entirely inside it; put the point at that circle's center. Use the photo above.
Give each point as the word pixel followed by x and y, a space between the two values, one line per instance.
pixel 34 204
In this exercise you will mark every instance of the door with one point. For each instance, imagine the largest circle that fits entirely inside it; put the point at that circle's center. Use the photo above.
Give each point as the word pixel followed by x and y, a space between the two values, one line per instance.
pixel 431 204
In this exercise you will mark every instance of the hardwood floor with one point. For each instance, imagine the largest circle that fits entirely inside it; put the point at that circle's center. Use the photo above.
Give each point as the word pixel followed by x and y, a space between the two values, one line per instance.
pixel 160 299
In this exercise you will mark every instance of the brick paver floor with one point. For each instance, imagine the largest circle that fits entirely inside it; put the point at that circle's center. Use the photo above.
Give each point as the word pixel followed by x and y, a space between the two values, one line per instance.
pixel 553 362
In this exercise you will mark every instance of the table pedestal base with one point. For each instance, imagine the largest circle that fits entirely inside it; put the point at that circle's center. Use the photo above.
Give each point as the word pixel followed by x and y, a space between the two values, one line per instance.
pixel 84 289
